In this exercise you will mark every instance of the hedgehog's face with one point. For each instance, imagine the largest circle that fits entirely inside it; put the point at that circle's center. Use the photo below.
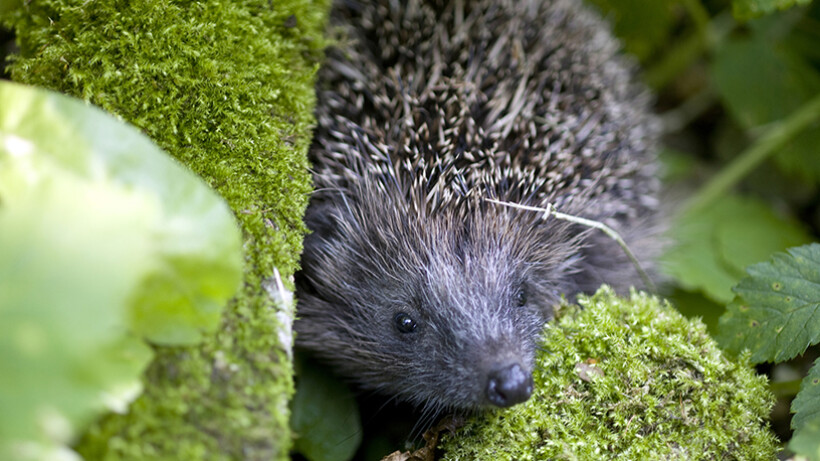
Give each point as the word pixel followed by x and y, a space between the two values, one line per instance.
pixel 467 337
pixel 440 322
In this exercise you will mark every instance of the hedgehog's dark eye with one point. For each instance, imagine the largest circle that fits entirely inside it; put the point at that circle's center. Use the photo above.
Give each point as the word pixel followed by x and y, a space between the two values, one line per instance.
pixel 404 323
pixel 521 298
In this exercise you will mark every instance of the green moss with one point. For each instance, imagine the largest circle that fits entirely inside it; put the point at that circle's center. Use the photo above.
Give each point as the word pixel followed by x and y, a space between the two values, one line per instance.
pixel 628 379
pixel 226 88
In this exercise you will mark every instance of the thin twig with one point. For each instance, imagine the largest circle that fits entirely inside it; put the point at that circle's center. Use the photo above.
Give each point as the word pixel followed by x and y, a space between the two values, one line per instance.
pixel 552 211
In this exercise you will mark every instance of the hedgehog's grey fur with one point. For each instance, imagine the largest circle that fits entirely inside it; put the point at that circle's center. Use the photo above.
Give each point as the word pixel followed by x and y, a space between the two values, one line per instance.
pixel 431 107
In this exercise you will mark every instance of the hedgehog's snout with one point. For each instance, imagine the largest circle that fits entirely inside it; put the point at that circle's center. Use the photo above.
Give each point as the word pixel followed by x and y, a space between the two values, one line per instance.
pixel 508 385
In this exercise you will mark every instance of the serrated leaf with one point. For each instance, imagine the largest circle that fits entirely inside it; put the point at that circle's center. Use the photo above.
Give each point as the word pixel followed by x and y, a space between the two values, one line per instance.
pixel 324 415
pixel 747 9
pixel 776 313
pixel 713 246
pixel 806 406
pixel 806 440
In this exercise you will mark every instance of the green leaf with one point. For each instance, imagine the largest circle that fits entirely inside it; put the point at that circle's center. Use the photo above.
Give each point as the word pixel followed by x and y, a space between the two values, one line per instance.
pixel 642 26
pixel 693 260
pixel 695 305
pixel 191 251
pixel 747 9
pixel 324 415
pixel 806 406
pixel 89 211
pixel 801 156
pixel 675 165
pixel 806 440
pixel 762 81
pixel 8 5
pixel 757 234
pixel 713 246
pixel 776 313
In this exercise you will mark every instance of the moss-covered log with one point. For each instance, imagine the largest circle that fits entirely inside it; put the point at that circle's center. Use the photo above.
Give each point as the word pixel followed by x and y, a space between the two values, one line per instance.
pixel 628 378
pixel 226 87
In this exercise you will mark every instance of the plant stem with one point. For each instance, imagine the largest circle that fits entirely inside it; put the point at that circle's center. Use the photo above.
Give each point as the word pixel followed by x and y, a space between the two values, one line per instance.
pixel 770 142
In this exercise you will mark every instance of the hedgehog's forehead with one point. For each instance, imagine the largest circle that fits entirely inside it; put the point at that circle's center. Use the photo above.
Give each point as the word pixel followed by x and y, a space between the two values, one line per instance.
pixel 478 270
pixel 469 243
pixel 458 234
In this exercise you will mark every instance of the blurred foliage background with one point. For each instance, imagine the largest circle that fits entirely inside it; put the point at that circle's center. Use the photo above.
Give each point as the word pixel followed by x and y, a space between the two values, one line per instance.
pixel 737 87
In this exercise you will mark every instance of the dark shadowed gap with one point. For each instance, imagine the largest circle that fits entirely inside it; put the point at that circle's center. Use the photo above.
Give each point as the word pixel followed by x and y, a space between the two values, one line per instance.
pixel 7 47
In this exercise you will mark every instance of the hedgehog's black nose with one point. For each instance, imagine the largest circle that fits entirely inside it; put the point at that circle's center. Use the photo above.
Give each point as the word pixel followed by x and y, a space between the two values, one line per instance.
pixel 509 385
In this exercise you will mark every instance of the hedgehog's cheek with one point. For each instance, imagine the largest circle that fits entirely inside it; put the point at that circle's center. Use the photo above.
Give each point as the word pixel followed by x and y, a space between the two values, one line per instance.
pixel 508 384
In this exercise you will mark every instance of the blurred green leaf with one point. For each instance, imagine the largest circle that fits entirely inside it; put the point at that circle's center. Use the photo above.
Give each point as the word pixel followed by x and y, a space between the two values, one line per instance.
pixel 8 5
pixel 762 81
pixel 642 26
pixel 324 415
pixel 806 406
pixel 805 34
pixel 801 157
pixel 695 305
pixel 192 250
pixel 776 313
pixel 757 234
pixel 693 262
pixel 675 165
pixel 90 214
pixel 712 247
pixel 747 9
pixel 806 440
pixel 775 28
pixel 728 139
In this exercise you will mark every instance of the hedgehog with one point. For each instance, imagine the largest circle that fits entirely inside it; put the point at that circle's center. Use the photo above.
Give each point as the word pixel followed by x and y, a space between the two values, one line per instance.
pixel 413 283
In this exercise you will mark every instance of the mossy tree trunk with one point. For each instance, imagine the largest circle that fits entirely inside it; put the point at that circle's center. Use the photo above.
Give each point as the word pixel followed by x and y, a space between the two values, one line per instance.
pixel 226 88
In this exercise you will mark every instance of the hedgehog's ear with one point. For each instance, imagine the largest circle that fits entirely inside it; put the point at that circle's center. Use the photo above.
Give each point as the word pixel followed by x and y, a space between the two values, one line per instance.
pixel 322 218
pixel 316 328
